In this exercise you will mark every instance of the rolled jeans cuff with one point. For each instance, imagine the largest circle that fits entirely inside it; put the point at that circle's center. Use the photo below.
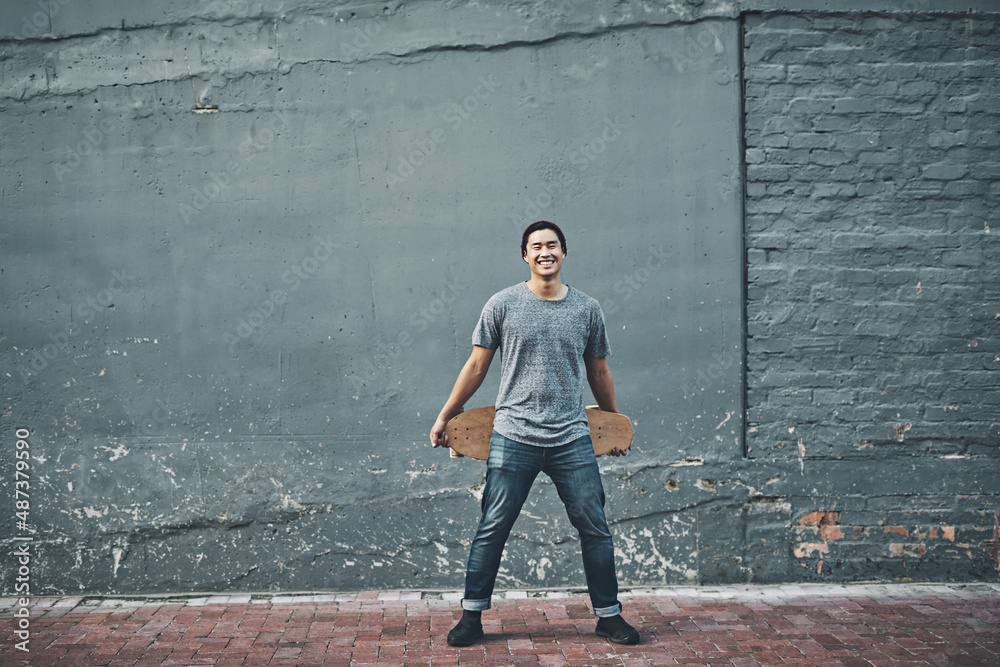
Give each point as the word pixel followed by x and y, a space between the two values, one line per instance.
pixel 477 605
pixel 604 612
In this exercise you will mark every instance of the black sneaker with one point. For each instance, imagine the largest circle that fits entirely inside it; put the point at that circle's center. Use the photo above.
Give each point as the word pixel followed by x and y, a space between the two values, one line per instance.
pixel 614 628
pixel 466 633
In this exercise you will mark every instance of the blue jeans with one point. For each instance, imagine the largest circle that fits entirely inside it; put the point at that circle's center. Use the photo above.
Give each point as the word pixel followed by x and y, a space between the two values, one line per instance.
pixel 510 471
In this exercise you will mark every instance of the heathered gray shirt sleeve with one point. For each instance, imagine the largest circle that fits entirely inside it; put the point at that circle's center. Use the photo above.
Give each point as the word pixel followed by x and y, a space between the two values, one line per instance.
pixel 542 345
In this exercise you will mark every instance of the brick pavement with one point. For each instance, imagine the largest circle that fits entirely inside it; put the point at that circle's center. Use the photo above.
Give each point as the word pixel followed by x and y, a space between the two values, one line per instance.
pixel 739 626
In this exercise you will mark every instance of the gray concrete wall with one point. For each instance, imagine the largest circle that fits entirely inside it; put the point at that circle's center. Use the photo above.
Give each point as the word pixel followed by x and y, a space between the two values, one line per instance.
pixel 244 250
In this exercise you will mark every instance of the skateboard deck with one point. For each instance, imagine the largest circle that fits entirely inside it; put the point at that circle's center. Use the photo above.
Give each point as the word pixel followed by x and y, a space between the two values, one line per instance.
pixel 469 432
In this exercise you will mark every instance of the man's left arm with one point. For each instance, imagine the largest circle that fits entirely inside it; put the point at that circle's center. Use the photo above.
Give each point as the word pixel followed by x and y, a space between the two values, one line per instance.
pixel 603 387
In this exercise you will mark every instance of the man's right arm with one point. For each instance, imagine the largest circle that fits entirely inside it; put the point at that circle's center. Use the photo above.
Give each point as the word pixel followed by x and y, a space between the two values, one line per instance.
pixel 469 380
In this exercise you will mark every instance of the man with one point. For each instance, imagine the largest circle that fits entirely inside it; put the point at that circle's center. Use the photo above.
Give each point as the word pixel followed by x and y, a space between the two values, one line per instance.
pixel 548 333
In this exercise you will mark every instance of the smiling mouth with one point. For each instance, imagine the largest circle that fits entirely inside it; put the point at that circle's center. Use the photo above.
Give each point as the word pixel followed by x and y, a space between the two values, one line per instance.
pixel 546 262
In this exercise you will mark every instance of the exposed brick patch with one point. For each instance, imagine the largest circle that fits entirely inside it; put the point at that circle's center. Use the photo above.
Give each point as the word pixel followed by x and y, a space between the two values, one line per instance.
pixel 824 541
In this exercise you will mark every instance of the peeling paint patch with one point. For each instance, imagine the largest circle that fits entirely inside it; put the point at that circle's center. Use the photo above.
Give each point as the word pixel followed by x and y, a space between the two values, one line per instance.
pixel 806 549
pixel 118 452
pixel 643 548
pixel 540 566
pixel 413 474
pixel 117 552
pixel 824 525
pixel 992 547
pixel 688 461
pixel 289 503
pixel 899 550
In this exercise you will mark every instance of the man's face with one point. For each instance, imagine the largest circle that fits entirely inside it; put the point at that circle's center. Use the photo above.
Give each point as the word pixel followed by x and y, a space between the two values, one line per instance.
pixel 544 253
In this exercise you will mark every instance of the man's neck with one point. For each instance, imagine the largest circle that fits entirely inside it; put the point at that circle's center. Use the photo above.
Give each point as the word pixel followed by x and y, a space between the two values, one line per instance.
pixel 550 290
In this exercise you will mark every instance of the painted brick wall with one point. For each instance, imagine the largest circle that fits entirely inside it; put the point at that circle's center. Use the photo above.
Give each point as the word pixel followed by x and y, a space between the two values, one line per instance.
pixel 873 291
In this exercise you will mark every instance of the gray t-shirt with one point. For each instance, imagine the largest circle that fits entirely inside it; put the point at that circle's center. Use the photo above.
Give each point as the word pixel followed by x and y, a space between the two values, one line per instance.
pixel 542 345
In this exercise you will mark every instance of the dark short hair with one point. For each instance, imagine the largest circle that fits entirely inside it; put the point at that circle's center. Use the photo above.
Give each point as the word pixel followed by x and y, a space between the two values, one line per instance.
pixel 536 226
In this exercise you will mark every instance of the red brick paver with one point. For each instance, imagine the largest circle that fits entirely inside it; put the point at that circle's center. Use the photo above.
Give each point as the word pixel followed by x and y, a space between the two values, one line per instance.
pixel 739 626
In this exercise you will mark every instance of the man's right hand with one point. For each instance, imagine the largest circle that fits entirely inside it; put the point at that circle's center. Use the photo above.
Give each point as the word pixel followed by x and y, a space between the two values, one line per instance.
pixel 471 376
pixel 438 437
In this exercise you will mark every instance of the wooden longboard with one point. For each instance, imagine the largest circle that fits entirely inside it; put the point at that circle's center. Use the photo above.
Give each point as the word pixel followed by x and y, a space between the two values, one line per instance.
pixel 469 432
